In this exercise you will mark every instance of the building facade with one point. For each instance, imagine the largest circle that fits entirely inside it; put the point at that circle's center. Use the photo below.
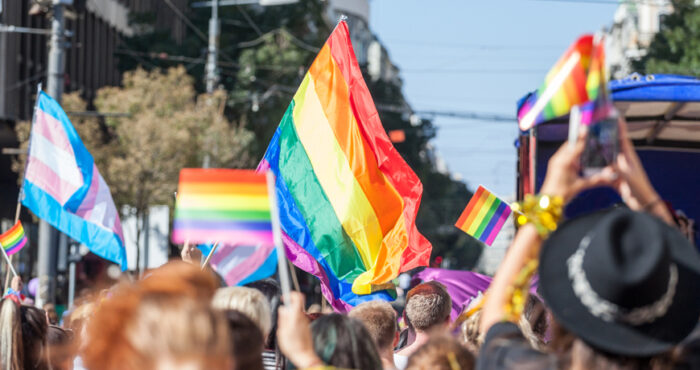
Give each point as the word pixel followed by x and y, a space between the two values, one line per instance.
pixel 633 28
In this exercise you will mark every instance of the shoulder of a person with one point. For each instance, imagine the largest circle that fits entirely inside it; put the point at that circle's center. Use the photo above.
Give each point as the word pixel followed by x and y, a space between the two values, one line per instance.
pixel 505 347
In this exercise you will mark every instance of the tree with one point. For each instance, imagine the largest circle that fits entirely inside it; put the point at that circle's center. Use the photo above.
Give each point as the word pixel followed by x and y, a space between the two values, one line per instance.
pixel 675 48
pixel 167 128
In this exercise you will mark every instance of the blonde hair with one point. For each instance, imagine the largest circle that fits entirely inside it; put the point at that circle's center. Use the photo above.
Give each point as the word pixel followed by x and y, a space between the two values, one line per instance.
pixel 248 301
pixel 380 320
pixel 472 338
pixel 11 356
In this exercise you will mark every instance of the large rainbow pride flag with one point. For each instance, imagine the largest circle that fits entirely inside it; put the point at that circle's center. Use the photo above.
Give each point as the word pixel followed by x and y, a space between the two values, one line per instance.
pixel 347 199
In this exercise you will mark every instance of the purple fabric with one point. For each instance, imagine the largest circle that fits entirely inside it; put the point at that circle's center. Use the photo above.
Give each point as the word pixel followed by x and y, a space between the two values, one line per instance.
pixel 461 285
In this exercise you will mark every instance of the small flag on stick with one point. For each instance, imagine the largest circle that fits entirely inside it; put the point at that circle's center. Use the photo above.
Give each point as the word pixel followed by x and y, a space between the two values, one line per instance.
pixel 222 205
pixel 14 239
pixel 484 216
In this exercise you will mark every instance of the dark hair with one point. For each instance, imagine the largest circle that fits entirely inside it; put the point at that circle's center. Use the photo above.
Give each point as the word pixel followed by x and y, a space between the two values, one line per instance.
pixel 246 340
pixel 61 347
pixel 270 288
pixel 571 349
pixel 344 342
pixel 34 329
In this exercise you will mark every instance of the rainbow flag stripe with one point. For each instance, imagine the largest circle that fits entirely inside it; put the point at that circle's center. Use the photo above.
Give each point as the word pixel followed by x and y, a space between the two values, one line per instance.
pixel 14 239
pixel 222 205
pixel 348 201
pixel 484 216
pixel 564 86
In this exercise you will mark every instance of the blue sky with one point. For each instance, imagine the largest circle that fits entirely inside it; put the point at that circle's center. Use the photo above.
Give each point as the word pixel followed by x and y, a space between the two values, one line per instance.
pixel 482 56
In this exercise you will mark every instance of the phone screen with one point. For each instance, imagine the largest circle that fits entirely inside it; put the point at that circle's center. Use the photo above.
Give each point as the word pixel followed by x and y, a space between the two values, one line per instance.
pixel 601 146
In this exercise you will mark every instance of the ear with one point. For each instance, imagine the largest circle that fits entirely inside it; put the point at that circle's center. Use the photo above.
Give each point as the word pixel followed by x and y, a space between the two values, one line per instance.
pixel 396 340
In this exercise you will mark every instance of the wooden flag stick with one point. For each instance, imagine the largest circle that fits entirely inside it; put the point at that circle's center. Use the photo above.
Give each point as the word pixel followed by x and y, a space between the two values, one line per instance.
pixel 211 253
pixel 283 270
pixel 293 272
pixel 9 263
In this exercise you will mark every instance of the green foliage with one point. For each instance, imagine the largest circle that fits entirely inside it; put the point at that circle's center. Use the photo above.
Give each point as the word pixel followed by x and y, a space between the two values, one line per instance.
pixel 265 53
pixel 676 48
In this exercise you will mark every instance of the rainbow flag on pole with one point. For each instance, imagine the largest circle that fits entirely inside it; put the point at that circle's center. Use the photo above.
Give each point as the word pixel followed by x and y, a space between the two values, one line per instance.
pixel 484 216
pixel 222 205
pixel 347 199
pixel 564 86
pixel 14 239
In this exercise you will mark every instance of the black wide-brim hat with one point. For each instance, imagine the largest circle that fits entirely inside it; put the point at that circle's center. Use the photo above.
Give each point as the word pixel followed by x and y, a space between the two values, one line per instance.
pixel 615 336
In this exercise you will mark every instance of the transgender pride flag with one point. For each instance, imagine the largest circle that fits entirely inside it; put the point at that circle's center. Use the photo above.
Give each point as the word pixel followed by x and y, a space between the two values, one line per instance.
pixel 241 264
pixel 63 187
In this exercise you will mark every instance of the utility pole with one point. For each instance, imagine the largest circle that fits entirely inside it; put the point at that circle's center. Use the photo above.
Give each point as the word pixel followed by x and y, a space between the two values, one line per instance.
pixel 212 72
pixel 212 75
pixel 211 69
pixel 47 234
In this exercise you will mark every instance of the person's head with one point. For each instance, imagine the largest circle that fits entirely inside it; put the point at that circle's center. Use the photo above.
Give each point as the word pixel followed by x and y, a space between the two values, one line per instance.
pixel 623 284
pixel 270 288
pixel 61 348
pixel 11 354
pixel 342 342
pixel 428 305
pixel 248 301
pixel 162 322
pixel 51 314
pixel 246 341
pixel 441 352
pixel 380 320
pixel 472 337
pixel 34 329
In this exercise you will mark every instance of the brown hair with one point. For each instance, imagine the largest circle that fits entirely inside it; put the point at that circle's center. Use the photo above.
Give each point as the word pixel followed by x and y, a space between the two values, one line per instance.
pixel 246 340
pixel 427 305
pixel 380 320
pixel 573 353
pixel 34 329
pixel 164 319
pixel 441 352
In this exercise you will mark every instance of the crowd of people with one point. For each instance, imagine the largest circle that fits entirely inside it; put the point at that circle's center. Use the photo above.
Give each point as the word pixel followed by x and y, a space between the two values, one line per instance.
pixel 617 290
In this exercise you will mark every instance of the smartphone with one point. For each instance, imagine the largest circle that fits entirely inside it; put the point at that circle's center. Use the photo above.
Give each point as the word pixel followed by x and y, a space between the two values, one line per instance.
pixel 601 145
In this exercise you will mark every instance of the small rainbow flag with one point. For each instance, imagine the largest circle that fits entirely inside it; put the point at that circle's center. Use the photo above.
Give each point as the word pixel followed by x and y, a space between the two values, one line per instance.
pixel 564 86
pixel 484 216
pixel 14 239
pixel 222 205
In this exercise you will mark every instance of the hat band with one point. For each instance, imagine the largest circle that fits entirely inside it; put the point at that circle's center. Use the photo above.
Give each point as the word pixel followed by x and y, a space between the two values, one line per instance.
pixel 609 311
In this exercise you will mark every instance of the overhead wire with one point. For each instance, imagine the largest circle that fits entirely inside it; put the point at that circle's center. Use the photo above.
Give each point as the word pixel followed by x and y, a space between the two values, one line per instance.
pixel 612 2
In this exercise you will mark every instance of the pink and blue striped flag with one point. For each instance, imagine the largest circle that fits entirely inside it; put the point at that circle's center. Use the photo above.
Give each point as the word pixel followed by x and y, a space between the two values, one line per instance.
pixel 63 186
pixel 240 265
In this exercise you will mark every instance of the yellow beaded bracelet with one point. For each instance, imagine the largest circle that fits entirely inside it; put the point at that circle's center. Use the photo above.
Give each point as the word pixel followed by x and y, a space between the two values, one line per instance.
pixel 543 211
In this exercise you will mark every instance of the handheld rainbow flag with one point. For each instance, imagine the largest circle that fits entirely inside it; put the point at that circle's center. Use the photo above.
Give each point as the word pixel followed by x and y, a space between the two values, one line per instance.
pixel 348 201
pixel 564 86
pixel 484 216
pixel 222 205
pixel 599 105
pixel 14 239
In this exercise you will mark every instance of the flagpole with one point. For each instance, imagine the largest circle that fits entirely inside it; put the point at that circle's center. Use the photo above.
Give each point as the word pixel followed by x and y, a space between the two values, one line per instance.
pixel 9 264
pixel 277 238
pixel 211 253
